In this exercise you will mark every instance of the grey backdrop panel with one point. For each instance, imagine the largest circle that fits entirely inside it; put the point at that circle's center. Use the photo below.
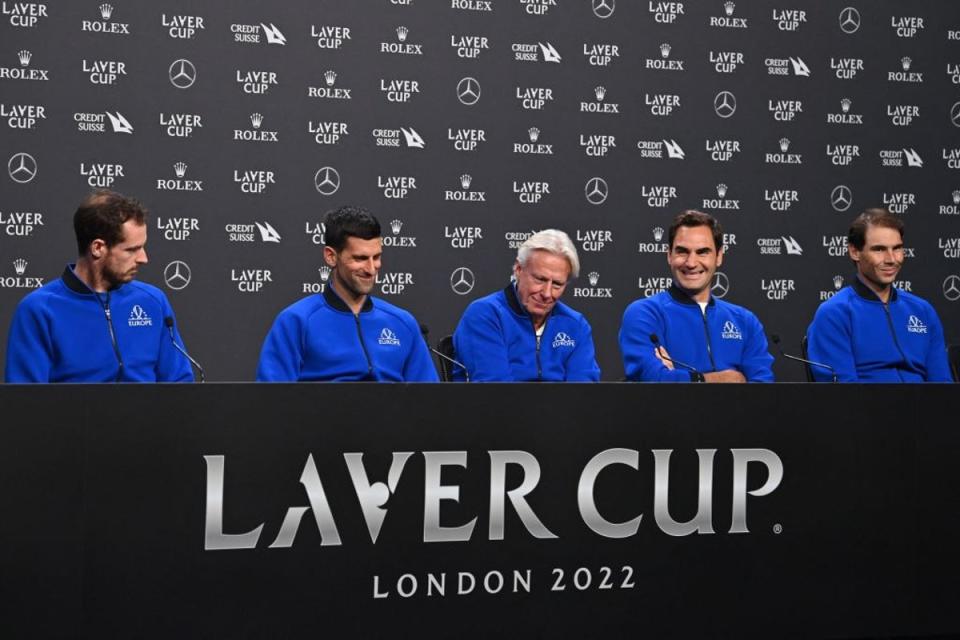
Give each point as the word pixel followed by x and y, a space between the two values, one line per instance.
pixel 223 317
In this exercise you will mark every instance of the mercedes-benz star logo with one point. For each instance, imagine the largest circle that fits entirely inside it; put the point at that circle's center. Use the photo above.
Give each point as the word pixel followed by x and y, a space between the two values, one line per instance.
pixel 951 288
pixel 603 9
pixel 721 284
pixel 177 275
pixel 841 197
pixel 468 91
pixel 462 281
pixel 849 20
pixel 22 167
pixel 725 104
pixel 955 114
pixel 182 73
pixel 596 190
pixel 327 181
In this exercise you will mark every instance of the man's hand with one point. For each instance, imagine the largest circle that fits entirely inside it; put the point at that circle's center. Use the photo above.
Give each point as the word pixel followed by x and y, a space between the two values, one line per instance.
pixel 663 356
pixel 727 375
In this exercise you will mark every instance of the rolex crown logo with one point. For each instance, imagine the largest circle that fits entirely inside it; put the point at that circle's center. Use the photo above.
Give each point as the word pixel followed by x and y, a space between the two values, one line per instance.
pixel 784 144
pixel 256 119
pixel 956 197
pixel 24 56
pixel 665 50
pixel 728 8
pixel 180 169
pixel 324 273
pixel 837 282
pixel 20 265
pixel 845 105
pixel 600 92
pixel 402 33
pixel 106 10
pixel 906 61
pixel 658 234
pixel 465 180
pixel 330 77
pixel 395 226
pixel 594 278
pixel 534 134
pixel 721 190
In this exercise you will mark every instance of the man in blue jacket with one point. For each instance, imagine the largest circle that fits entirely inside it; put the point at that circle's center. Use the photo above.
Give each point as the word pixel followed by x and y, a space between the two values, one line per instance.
pixel 870 331
pixel 95 323
pixel 716 340
pixel 344 333
pixel 523 332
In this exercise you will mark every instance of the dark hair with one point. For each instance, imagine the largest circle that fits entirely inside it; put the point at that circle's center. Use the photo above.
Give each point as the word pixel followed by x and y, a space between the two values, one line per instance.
pixel 691 218
pixel 349 221
pixel 102 214
pixel 857 236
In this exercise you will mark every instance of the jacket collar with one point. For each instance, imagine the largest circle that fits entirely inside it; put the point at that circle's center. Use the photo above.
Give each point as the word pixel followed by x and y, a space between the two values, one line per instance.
pixel 335 301
pixel 867 293
pixel 679 295
pixel 75 284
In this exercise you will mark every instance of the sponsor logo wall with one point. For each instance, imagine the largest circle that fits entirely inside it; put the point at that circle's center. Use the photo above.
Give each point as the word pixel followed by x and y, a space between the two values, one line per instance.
pixel 466 125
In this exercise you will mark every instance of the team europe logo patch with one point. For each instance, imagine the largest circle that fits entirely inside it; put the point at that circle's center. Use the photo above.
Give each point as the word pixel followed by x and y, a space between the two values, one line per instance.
pixel 563 340
pixel 138 317
pixel 731 331
pixel 388 337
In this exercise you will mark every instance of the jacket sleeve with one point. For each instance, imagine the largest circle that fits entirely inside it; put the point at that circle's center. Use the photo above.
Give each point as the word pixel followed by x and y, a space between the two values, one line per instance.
pixel 480 345
pixel 281 356
pixel 172 366
pixel 757 361
pixel 639 359
pixel 938 367
pixel 29 346
pixel 419 365
pixel 829 341
pixel 582 364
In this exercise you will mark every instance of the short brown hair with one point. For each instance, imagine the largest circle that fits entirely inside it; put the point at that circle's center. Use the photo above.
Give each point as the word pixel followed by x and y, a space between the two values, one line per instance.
pixel 102 214
pixel 691 218
pixel 878 217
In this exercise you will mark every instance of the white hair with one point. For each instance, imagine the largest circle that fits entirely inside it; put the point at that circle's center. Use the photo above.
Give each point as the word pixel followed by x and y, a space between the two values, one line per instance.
pixel 554 241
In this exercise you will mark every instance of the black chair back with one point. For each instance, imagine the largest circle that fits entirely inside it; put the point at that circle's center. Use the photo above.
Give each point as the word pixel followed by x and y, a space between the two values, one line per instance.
pixel 806 367
pixel 445 346
pixel 953 355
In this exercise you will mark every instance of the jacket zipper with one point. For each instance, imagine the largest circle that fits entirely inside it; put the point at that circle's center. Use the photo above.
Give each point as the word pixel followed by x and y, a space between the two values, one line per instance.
pixel 893 333
pixel 706 333
pixel 113 335
pixel 363 346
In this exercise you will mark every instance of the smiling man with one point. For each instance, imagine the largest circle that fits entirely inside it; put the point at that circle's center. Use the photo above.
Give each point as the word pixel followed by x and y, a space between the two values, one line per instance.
pixel 721 342
pixel 95 323
pixel 870 331
pixel 344 334
pixel 523 332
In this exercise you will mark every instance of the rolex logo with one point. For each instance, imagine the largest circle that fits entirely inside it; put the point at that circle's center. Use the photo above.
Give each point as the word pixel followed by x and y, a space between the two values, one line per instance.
pixel 402 33
pixel 395 226
pixel 20 265
pixel 594 278
pixel 658 234
pixel 330 77
pixel 956 197
pixel 534 134
pixel 837 282
pixel 721 190
pixel 728 8
pixel 906 61
pixel 180 169
pixel 24 56
pixel 106 10
pixel 324 273
pixel 784 144
pixel 465 180
pixel 845 105
pixel 665 50
pixel 256 119
pixel 600 92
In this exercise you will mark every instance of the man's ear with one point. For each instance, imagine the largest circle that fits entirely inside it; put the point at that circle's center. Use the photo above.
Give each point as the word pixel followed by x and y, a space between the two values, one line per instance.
pixel 330 256
pixel 98 249
pixel 720 257
pixel 853 252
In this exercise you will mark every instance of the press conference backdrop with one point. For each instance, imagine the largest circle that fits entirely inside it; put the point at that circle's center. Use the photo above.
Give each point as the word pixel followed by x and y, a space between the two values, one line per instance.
pixel 465 125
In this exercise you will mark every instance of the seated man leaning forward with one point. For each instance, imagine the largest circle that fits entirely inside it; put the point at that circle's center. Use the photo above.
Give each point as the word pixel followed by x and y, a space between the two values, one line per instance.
pixel 343 333
pixel 870 331
pixel 524 332
pixel 722 342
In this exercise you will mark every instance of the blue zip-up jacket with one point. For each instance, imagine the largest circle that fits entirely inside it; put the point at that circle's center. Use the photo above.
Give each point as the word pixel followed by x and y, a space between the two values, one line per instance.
pixel 66 332
pixel 865 340
pixel 726 336
pixel 319 338
pixel 496 341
